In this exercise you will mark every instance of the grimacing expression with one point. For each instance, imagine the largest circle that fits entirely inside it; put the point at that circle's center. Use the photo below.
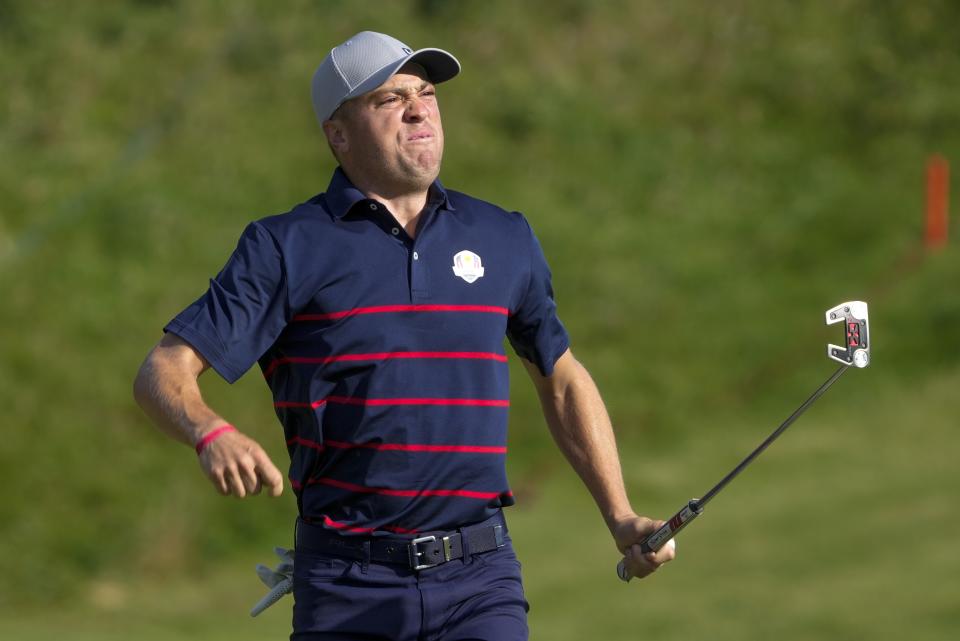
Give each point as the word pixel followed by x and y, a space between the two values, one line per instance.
pixel 392 135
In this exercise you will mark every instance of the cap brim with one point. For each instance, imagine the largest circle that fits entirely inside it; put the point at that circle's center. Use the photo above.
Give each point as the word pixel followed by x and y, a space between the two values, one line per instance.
pixel 439 65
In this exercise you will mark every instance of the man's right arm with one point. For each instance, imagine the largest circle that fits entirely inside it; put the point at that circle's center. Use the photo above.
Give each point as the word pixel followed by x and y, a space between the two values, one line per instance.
pixel 167 389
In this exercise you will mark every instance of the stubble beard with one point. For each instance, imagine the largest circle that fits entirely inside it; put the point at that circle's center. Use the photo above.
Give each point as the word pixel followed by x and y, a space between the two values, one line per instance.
pixel 417 172
pixel 394 170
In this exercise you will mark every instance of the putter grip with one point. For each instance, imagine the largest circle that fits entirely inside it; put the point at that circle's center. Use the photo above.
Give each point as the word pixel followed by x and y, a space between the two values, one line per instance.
pixel 664 533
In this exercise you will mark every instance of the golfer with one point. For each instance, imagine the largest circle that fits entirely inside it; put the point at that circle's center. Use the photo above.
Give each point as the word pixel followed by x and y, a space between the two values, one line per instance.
pixel 377 312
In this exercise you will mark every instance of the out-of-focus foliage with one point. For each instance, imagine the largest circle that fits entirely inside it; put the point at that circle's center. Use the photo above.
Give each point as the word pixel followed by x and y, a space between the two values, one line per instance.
pixel 706 179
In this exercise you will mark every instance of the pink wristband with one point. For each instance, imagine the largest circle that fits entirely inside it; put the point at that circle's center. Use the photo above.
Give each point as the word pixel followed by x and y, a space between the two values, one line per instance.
pixel 213 435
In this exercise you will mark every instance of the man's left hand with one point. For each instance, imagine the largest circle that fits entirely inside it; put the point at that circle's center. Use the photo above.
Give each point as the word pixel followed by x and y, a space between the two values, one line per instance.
pixel 628 534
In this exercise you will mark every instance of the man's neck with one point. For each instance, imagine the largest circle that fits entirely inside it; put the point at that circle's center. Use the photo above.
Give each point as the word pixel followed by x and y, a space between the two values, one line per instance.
pixel 406 208
pixel 405 203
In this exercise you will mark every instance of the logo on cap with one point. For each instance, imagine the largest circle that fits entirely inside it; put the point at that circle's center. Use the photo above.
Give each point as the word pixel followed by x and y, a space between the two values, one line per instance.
pixel 467 266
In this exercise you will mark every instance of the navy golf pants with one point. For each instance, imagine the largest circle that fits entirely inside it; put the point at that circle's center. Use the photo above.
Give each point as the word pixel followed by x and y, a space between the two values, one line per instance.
pixel 478 598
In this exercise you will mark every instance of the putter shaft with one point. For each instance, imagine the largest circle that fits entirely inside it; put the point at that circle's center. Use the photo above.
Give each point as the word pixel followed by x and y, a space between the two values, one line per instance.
pixel 694 507
pixel 770 439
pixel 855 351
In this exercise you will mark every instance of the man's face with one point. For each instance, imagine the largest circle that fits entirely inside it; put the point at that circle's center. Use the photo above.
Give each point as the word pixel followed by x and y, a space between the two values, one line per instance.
pixel 391 138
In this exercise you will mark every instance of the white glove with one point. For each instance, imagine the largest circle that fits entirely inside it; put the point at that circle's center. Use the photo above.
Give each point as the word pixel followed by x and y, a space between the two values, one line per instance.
pixel 280 580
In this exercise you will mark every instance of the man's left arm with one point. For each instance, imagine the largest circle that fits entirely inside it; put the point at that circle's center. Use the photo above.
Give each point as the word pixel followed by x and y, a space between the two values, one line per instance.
pixel 580 425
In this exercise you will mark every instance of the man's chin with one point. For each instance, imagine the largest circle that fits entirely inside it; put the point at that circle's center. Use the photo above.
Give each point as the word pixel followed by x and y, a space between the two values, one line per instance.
pixel 422 174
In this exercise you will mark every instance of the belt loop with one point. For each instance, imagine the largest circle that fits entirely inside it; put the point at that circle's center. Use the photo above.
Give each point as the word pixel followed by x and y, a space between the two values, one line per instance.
pixel 465 546
pixel 365 564
pixel 498 535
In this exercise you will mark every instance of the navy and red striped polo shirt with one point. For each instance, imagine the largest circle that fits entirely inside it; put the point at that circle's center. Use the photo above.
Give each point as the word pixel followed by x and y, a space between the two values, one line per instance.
pixel 385 353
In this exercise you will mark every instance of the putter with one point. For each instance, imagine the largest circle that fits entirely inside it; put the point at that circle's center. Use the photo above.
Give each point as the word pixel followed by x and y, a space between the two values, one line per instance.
pixel 856 352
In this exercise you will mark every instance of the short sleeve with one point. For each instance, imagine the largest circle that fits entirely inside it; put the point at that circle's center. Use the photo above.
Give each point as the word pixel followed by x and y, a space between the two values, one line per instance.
pixel 534 329
pixel 244 310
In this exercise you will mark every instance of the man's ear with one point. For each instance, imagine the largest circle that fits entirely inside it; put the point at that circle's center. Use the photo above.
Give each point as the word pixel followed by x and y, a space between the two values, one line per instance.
pixel 336 135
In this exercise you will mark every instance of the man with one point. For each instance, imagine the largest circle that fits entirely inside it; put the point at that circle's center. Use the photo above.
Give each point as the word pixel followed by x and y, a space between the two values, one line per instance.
pixel 377 312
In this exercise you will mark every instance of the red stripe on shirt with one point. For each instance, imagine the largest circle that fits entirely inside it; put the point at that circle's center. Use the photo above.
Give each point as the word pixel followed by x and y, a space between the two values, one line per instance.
pixel 393 309
pixel 405 447
pixel 379 356
pixel 354 400
pixel 314 405
pixel 362 489
pixel 479 402
pixel 363 530
pixel 296 440
pixel 401 447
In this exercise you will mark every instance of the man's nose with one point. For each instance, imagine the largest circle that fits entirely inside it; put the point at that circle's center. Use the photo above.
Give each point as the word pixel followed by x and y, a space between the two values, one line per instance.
pixel 416 111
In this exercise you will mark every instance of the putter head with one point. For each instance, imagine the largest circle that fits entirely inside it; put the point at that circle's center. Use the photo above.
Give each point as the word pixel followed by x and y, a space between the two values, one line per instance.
pixel 856 322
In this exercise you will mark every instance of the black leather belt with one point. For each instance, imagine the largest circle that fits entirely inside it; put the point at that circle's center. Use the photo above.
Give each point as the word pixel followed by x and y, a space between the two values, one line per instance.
pixel 426 551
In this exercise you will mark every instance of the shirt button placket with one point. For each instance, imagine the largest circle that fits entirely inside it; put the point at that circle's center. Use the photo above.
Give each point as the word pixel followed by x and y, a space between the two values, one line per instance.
pixel 394 229
pixel 419 281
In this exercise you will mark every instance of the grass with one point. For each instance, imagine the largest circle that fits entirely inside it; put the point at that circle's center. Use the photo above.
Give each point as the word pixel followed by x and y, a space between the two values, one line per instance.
pixel 829 534
pixel 705 180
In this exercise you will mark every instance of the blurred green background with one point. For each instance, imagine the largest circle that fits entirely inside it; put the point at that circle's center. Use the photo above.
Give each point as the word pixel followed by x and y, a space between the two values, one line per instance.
pixel 706 179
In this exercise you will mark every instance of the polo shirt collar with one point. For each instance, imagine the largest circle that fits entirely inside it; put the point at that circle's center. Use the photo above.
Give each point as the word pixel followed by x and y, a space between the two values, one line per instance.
pixel 341 195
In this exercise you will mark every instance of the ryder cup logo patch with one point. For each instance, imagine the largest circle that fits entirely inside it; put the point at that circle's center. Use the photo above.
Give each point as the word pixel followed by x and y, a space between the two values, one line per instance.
pixel 467 266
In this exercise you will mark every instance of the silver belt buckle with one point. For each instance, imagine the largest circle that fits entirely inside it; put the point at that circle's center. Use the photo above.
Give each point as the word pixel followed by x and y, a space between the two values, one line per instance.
pixel 415 554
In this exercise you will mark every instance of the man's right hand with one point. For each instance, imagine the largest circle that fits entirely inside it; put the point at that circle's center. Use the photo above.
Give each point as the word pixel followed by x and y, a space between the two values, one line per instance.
pixel 167 390
pixel 238 466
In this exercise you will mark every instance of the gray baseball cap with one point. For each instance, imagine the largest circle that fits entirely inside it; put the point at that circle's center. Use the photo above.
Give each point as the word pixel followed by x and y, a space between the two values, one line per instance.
pixel 366 61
